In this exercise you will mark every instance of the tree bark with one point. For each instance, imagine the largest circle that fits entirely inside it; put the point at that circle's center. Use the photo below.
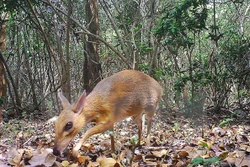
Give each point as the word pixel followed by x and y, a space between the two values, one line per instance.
pixel 66 87
pixel 92 66
pixel 3 85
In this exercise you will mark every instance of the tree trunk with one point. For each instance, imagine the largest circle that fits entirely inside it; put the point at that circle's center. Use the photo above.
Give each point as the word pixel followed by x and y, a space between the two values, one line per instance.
pixel 3 85
pixel 66 87
pixel 92 66
pixel 29 70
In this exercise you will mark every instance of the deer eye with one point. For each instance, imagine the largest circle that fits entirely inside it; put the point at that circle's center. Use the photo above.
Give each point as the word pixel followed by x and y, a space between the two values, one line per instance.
pixel 68 126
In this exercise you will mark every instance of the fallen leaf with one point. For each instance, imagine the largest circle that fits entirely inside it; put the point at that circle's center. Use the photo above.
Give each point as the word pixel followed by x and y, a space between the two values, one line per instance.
pixel 73 165
pixel 93 164
pixel 14 156
pixel 27 155
pixel 137 157
pixel 57 164
pixel 244 161
pixel 245 147
pixel 222 155
pixel 230 159
pixel 219 131
pixel 205 144
pixel 108 162
pixel 65 163
pixel 157 153
pixel 183 154
pixel 46 159
pixel 179 163
pixel 82 159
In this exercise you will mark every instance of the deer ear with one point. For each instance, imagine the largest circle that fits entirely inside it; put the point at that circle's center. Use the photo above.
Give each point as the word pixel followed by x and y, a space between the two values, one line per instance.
pixel 65 102
pixel 78 106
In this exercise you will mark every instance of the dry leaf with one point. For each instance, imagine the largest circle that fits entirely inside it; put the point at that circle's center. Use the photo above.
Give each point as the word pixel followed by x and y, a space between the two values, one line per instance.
pixel 135 164
pixel 205 144
pixel 93 164
pixel 14 156
pixel 219 131
pixel 137 157
pixel 108 162
pixel 82 159
pixel 192 152
pixel 57 164
pixel 183 154
pixel 122 155
pixel 231 158
pixel 65 163
pixel 46 159
pixel 73 165
pixel 222 155
pixel 157 153
pixel 245 147
pixel 179 163
pixel 244 161
pixel 27 154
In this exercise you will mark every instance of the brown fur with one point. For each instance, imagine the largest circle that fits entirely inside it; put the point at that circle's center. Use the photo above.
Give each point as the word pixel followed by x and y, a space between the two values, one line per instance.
pixel 125 94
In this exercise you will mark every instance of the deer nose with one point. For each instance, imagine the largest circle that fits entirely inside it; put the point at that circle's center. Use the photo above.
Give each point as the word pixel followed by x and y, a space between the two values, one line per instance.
pixel 56 152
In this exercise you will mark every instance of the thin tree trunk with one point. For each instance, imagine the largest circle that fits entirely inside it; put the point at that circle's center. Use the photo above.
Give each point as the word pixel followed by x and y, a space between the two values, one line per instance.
pixel 66 88
pixel 92 66
pixel 31 80
pixel 17 102
pixel 3 85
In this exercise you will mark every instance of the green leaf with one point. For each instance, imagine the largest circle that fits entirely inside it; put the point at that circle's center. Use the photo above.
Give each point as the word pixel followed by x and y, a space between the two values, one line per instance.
pixel 212 160
pixel 196 161
pixel 225 122
pixel 134 139
pixel 200 160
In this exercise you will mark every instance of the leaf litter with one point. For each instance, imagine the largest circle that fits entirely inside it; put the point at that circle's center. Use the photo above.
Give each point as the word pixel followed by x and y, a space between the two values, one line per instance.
pixel 175 141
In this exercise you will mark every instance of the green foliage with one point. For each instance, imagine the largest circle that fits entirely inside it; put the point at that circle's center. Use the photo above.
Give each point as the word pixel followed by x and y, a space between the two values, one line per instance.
pixel 185 17
pixel 176 127
pixel 9 5
pixel 180 83
pixel 212 35
pixel 234 54
pixel 200 78
pixel 144 48
pixel 231 65
pixel 243 93
pixel 159 74
pixel 202 161
pixel 189 31
pixel 134 140
pixel 225 122
pixel 128 16
pixel 12 5
pixel 144 67
pixel 204 144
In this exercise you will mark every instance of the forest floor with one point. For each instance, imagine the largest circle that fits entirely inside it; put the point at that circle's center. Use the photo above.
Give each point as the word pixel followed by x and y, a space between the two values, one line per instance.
pixel 176 140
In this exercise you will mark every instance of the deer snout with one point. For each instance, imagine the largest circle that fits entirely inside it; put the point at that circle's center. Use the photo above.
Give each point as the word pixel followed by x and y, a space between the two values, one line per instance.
pixel 56 152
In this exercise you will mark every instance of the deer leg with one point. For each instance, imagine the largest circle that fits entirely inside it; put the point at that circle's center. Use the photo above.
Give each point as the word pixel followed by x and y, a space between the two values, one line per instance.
pixel 149 115
pixel 137 119
pixel 94 130
pixel 112 140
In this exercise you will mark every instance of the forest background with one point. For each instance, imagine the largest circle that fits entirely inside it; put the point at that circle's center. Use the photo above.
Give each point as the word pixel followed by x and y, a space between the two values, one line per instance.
pixel 197 49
